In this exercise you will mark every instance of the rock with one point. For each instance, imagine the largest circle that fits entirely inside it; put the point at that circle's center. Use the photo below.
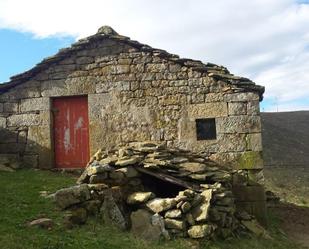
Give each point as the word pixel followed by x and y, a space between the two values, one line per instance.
pixel 45 223
pixel 112 213
pixel 185 207
pixel 188 193
pixel 157 220
pixel 200 212
pixel 100 178
pixel 92 207
pixel 178 160
pixel 129 161
pixel 159 155
pixel 97 187
pixel 142 226
pixel 157 162
pixel 193 167
pixel 139 197
pixel 98 155
pixel 6 169
pixel 84 178
pixel 107 30
pixel 125 152
pixel 190 219
pixel 199 231
pixel 174 213
pixel 175 224
pixel 109 160
pixel 116 175
pixel 76 216
pixel 69 196
pixel 201 177
pixel 94 170
pixel 158 205
pixel 196 200
pixel 129 172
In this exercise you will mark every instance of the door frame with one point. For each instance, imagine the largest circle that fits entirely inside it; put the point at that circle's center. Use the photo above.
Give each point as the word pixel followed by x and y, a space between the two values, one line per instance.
pixel 52 111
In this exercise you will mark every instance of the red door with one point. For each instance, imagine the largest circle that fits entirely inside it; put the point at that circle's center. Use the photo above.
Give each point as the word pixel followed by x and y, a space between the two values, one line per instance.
pixel 71 134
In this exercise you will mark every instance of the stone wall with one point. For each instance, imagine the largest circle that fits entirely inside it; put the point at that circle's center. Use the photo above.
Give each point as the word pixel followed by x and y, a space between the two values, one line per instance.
pixel 132 96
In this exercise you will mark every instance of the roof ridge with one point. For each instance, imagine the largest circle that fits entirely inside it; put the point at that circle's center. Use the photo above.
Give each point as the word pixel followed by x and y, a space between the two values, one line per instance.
pixel 212 70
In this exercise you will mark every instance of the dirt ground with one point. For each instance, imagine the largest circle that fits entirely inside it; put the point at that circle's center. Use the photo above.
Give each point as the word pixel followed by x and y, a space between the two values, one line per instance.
pixel 292 186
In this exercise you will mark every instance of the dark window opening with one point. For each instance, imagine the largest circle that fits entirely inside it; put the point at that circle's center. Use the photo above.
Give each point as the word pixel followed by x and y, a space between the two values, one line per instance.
pixel 206 129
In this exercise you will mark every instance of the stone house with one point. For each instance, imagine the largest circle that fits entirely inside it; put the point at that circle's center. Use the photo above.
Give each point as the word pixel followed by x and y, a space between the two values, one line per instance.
pixel 107 89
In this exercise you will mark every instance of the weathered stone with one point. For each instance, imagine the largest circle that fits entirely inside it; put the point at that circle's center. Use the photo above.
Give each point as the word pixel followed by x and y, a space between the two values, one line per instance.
pixel 185 207
pixel 174 224
pixel 254 142
pixel 217 109
pixel 126 162
pixel 200 212
pixel 67 197
pixel 45 223
pixel 24 120
pixel 11 107
pixel 241 97
pixel 98 169
pixel 116 175
pixel 199 231
pixel 193 167
pixel 237 108
pixel 111 212
pixel 129 172
pixel 100 178
pixel 202 177
pixel 35 104
pixel 174 213
pixel 142 226
pixel 239 124
pixel 190 219
pixel 140 197
pixel 2 122
pixel 97 186
pixel 158 205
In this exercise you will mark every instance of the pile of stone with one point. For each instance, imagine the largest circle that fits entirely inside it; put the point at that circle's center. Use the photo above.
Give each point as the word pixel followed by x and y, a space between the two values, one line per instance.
pixel 116 187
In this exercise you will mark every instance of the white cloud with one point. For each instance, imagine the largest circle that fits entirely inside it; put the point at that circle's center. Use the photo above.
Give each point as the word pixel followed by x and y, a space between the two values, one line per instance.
pixel 266 40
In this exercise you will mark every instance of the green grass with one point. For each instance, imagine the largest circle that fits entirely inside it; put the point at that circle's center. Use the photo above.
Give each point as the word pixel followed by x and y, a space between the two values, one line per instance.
pixel 20 202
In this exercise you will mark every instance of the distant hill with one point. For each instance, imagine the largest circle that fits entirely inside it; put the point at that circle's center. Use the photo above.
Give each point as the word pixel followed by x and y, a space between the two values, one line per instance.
pixel 286 138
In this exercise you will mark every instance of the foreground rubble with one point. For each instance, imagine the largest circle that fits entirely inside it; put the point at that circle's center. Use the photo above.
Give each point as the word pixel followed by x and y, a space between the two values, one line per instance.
pixel 156 192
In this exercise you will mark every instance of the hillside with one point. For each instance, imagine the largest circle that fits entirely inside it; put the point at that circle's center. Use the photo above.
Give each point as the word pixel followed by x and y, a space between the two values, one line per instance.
pixel 286 138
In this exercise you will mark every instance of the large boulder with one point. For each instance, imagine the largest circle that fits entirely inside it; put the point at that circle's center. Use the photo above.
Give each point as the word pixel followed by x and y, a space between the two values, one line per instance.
pixel 112 212
pixel 147 226
pixel 67 197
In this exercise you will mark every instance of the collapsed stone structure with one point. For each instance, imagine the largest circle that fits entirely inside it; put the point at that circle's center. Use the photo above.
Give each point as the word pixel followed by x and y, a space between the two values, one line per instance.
pixel 134 93
pixel 156 192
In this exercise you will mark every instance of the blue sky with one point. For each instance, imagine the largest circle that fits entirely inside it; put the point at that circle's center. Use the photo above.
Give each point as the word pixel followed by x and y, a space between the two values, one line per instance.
pixel 265 40
pixel 21 51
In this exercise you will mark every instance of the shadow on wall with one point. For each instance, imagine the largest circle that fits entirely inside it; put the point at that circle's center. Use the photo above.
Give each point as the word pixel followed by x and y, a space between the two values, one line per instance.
pixel 17 151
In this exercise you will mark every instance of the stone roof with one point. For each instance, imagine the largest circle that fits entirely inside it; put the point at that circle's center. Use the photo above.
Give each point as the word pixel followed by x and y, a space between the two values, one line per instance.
pixel 106 32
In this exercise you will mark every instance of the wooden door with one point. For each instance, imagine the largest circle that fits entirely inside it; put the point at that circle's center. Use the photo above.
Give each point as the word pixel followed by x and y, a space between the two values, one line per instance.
pixel 71 135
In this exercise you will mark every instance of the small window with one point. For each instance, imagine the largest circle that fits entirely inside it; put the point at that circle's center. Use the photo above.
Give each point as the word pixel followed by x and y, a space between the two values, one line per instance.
pixel 206 129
